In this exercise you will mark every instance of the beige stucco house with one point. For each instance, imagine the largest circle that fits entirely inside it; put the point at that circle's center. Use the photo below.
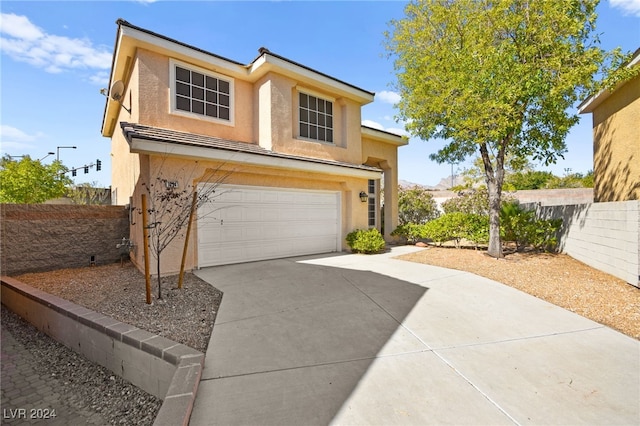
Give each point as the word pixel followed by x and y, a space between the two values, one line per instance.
pixel 296 169
pixel 616 139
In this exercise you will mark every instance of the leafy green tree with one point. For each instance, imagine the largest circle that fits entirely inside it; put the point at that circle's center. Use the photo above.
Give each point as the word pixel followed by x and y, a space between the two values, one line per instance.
pixel 472 201
pixel 29 181
pixel 475 174
pixel 531 179
pixel 416 205
pixel 469 201
pixel 572 180
pixel 496 78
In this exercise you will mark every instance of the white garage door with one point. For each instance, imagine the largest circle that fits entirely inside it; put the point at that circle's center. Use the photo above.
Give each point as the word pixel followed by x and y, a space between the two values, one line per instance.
pixel 245 223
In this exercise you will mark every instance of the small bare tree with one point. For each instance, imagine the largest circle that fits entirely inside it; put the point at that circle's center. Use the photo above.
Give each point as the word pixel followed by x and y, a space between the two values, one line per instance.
pixel 170 206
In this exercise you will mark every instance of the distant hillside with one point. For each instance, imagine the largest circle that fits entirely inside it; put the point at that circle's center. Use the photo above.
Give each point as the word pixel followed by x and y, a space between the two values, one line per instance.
pixel 444 184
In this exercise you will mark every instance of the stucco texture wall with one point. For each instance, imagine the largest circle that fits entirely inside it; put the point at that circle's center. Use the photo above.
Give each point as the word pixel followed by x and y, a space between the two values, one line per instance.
pixel 617 145
pixel 42 237
pixel 154 98
pixel 188 174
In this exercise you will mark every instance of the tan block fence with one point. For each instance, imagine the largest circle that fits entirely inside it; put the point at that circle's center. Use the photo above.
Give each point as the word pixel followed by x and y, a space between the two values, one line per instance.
pixel 44 237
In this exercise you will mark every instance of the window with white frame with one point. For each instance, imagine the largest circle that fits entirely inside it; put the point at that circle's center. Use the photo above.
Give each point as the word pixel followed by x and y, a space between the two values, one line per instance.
pixel 373 204
pixel 201 93
pixel 316 118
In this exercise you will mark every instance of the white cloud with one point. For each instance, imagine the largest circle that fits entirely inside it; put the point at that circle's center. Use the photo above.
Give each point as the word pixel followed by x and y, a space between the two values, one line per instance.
pixel 629 7
pixel 14 138
pixel 101 78
pixel 23 41
pixel 388 97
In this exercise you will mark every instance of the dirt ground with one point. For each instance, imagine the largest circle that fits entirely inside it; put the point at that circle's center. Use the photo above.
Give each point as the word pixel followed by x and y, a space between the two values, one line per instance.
pixel 556 278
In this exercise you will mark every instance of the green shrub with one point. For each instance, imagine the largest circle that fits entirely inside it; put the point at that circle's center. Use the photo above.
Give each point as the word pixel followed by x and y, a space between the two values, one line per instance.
pixel 523 228
pixel 457 226
pixel 366 241
pixel 545 234
pixel 516 224
pixel 410 231
pixel 416 205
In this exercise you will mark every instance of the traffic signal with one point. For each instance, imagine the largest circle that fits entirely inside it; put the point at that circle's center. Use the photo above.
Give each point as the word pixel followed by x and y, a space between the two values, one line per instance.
pixel 73 172
pixel 86 169
pixel 98 165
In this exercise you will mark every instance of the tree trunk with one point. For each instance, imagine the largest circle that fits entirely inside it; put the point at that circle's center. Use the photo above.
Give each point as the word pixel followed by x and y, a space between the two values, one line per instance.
pixel 494 178
pixel 495 245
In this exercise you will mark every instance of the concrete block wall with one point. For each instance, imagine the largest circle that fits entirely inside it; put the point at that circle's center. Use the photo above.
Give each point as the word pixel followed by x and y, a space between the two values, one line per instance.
pixel 605 236
pixel 545 197
pixel 162 367
pixel 42 237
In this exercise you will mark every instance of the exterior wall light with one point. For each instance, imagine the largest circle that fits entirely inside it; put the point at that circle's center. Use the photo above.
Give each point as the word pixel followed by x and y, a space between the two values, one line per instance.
pixel 363 196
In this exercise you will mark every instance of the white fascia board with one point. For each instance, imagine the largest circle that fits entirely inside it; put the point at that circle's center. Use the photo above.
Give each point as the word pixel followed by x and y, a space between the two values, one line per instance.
pixel 382 136
pixel 267 63
pixel 145 146
pixel 153 43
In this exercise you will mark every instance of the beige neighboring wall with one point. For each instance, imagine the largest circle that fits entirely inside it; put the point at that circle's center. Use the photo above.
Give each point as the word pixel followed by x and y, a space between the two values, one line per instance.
pixel 616 139
pixel 616 155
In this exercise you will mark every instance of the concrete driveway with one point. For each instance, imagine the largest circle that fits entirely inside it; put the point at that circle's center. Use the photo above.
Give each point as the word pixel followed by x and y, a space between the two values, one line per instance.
pixel 372 340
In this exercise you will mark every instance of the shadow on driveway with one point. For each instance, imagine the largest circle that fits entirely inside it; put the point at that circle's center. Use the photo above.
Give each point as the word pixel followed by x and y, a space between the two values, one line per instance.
pixel 348 339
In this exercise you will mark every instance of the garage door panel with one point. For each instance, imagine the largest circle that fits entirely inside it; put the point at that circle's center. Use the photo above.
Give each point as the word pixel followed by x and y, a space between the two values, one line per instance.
pixel 253 223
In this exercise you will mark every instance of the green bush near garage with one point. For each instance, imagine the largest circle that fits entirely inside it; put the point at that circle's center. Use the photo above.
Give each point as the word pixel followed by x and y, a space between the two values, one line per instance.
pixel 367 241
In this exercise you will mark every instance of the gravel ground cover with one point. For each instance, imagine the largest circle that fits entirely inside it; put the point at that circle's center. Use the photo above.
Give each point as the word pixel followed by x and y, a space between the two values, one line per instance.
pixel 185 316
pixel 80 391
pixel 556 278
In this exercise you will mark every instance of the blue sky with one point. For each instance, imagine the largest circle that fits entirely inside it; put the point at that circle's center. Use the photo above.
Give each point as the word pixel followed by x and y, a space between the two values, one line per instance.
pixel 56 56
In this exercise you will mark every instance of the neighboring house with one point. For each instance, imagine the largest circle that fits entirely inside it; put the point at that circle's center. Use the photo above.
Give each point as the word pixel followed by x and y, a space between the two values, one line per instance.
pixel 616 139
pixel 290 137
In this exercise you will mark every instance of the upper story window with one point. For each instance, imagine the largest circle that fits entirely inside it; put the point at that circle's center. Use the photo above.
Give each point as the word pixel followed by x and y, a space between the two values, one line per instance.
pixel 201 93
pixel 316 118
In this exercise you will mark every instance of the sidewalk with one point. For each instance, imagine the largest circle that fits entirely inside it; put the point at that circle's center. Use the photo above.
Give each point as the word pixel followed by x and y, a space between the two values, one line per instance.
pixel 30 395
pixel 353 339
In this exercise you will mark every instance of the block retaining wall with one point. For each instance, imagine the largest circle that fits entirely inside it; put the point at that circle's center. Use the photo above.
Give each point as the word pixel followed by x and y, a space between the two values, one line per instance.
pixel 161 367
pixel 605 236
pixel 42 237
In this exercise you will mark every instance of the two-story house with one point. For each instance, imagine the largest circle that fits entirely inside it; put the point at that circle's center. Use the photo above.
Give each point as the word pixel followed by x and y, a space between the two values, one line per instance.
pixel 298 169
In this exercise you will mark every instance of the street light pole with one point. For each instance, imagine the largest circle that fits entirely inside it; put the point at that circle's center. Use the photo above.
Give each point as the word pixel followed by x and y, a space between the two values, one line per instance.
pixel 58 151
pixel 48 154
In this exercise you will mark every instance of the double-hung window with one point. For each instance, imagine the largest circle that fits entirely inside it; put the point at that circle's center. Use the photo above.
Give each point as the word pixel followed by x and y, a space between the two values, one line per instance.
pixel 200 93
pixel 316 118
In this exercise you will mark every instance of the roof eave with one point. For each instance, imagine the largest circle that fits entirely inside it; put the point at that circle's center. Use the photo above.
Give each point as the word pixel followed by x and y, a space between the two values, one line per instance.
pixel 151 146
pixel 383 136
pixel 592 102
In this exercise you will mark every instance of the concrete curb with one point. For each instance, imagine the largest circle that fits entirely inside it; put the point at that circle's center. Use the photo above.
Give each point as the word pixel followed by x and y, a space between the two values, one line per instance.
pixel 167 369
